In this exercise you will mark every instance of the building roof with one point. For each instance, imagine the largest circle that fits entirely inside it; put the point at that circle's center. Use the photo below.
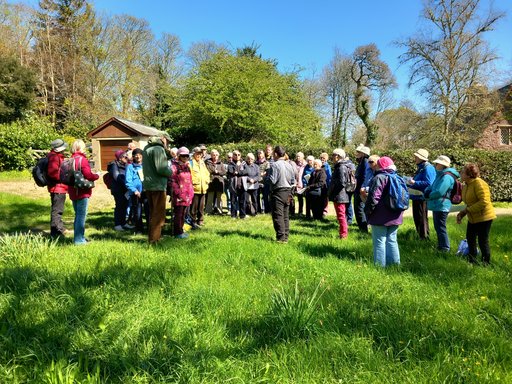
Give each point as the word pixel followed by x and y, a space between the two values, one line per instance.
pixel 138 129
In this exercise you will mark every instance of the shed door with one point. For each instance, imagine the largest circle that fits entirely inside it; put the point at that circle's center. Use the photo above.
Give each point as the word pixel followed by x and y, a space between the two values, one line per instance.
pixel 108 149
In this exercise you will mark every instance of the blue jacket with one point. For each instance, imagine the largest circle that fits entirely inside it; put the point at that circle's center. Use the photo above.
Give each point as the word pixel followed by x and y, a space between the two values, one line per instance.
pixel 328 172
pixel 308 170
pixel 438 194
pixel 133 181
pixel 423 178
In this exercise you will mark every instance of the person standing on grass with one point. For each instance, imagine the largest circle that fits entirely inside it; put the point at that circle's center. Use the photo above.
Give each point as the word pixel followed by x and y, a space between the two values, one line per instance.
pixel 200 181
pixel 139 203
pixel 216 186
pixel 306 174
pixel 237 193
pixel 479 210
pixel 438 199
pixel 156 171
pixel 182 191
pixel 263 164
pixel 282 183
pixel 301 164
pixel 336 192
pixel 363 177
pixel 80 197
pixel 324 157
pixel 316 191
pixel 117 170
pixel 251 184
pixel 269 151
pixel 57 190
pixel 423 178
pixel 383 220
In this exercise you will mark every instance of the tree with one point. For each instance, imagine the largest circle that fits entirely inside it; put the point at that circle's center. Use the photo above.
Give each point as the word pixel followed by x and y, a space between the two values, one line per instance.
pixel 17 89
pixel 370 74
pixel 448 55
pixel 339 88
pixel 242 98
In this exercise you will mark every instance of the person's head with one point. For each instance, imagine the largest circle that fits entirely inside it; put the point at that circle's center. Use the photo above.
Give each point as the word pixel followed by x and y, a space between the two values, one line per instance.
pixel 215 155
pixel 166 139
pixel 197 153
pixel 299 156
pixel 137 155
pixel 249 158
pixel 121 156
pixel 338 154
pixel 420 156
pixel 58 145
pixel 310 159
pixel 78 146
pixel 385 162
pixel 237 156
pixel 372 161
pixel 442 162
pixel 279 152
pixel 362 151
pixel 230 156
pixel 203 149
pixel 174 152
pixel 132 146
pixel 261 154
pixel 470 171
pixel 183 154
pixel 324 157
pixel 269 150
pixel 317 163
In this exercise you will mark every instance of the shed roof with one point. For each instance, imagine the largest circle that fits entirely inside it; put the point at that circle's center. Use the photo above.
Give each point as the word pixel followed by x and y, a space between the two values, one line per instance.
pixel 136 128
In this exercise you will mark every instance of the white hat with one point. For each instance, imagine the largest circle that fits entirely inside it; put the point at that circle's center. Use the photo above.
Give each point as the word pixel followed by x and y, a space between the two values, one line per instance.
pixel 421 154
pixel 443 160
pixel 361 148
pixel 339 152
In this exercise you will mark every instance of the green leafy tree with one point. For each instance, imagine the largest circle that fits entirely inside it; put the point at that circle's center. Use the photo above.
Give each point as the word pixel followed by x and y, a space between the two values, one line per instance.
pixel 233 98
pixel 17 89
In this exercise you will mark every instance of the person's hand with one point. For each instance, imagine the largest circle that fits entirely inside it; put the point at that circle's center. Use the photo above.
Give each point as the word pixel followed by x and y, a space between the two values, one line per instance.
pixel 137 193
pixel 411 182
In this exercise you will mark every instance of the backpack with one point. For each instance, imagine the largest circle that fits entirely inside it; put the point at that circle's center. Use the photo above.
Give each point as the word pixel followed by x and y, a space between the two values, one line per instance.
pixel 66 172
pixel 108 180
pixel 350 180
pixel 398 195
pixel 456 191
pixel 40 172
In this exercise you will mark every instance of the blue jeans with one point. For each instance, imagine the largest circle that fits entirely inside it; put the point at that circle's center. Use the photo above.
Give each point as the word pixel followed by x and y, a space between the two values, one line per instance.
pixel 443 242
pixel 385 246
pixel 80 207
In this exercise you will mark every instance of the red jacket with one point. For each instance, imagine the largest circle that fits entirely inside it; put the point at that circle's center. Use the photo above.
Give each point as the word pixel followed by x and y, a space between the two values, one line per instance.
pixel 182 189
pixel 54 161
pixel 75 193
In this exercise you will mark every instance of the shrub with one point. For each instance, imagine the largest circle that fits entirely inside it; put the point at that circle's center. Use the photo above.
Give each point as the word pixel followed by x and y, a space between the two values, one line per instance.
pixel 17 138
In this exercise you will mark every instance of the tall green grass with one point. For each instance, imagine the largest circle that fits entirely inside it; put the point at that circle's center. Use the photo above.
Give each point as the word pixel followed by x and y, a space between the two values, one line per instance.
pixel 231 305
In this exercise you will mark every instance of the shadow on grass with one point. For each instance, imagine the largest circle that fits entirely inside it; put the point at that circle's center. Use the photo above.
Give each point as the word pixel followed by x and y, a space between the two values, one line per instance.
pixel 21 216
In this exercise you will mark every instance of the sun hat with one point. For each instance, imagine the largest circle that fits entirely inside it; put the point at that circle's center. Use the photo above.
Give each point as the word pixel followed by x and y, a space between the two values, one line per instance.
pixel 197 150
pixel 202 147
pixel 183 151
pixel 58 145
pixel 443 160
pixel 385 162
pixel 361 148
pixel 421 154
pixel 339 152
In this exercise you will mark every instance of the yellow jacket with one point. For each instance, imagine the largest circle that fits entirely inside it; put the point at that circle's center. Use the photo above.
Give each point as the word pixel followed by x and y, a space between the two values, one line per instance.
pixel 477 196
pixel 200 176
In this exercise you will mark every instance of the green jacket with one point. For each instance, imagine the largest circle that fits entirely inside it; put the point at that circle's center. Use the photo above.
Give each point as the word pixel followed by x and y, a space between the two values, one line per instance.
pixel 155 166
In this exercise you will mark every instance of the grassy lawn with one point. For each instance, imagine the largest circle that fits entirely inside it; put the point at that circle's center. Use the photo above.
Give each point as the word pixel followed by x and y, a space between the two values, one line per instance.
pixel 231 305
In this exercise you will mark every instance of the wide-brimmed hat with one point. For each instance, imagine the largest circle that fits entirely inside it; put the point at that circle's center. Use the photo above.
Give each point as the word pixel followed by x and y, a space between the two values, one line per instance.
pixel 339 152
pixel 202 147
pixel 183 151
pixel 58 145
pixel 361 148
pixel 197 150
pixel 421 154
pixel 443 160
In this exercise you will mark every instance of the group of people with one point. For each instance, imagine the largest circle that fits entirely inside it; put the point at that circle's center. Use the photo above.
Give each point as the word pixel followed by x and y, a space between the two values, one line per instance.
pixel 271 182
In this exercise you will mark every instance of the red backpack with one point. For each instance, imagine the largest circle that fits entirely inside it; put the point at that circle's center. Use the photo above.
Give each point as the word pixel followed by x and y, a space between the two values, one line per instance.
pixel 456 191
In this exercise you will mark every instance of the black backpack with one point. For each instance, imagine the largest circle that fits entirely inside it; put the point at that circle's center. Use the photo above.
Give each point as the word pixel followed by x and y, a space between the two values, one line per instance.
pixel 350 180
pixel 40 172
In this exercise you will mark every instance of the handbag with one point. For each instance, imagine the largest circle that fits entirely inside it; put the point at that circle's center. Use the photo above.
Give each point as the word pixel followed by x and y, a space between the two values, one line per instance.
pixel 315 191
pixel 80 181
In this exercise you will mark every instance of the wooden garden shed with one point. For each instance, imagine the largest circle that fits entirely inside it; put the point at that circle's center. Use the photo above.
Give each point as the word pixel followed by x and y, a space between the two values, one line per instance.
pixel 114 134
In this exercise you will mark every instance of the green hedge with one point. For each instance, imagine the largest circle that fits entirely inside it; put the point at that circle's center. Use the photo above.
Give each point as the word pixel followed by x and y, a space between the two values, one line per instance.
pixel 495 166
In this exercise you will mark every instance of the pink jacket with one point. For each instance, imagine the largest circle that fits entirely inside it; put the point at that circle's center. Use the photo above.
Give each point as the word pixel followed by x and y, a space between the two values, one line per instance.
pixel 182 188
pixel 75 193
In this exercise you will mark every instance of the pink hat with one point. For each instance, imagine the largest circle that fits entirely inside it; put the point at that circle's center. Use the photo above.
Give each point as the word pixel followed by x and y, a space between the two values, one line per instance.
pixel 384 162
pixel 183 151
pixel 119 153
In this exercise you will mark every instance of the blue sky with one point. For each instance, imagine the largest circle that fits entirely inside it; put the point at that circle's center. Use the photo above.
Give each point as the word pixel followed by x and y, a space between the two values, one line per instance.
pixel 302 33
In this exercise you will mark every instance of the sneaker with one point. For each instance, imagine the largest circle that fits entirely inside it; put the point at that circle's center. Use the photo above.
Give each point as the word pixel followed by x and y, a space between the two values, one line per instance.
pixel 118 228
pixel 195 226
pixel 183 235
pixel 128 226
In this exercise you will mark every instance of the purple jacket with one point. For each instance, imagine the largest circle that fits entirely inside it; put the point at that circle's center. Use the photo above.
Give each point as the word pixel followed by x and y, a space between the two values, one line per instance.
pixel 377 212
